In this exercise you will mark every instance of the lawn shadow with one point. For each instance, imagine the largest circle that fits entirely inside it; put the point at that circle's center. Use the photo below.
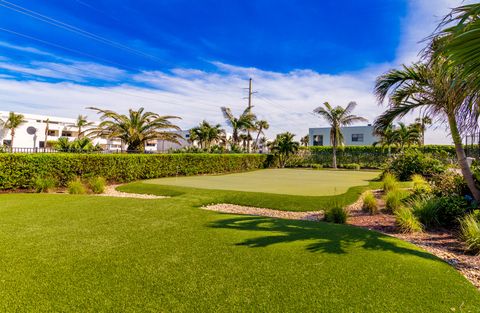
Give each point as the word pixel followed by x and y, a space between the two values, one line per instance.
pixel 326 237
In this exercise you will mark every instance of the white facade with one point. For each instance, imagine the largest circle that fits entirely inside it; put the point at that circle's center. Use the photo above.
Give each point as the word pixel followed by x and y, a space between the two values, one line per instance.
pixel 32 134
pixel 353 136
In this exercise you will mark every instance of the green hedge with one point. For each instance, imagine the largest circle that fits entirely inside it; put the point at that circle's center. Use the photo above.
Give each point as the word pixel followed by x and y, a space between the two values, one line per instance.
pixel 21 170
pixel 370 156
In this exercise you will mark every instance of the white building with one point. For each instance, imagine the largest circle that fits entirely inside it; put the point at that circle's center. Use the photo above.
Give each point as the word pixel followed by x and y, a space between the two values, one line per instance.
pixel 353 136
pixel 31 134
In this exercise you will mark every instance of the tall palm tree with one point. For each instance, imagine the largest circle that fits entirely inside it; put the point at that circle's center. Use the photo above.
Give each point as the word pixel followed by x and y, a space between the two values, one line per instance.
pixel 244 122
pixel 283 147
pixel 260 126
pixel 12 122
pixel 422 123
pixel 437 89
pixel 47 129
pixel 206 134
pixel 405 136
pixel 244 139
pixel 80 123
pixel 387 138
pixel 338 117
pixel 136 128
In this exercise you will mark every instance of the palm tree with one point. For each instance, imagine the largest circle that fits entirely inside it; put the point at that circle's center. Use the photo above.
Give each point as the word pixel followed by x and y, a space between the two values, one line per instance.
pixel 243 122
pixel 388 138
pixel 80 123
pixel 244 139
pixel 305 140
pixel 206 134
pixel 283 147
pixel 338 117
pixel 136 128
pixel 422 123
pixel 459 43
pixel 438 89
pixel 12 123
pixel 47 129
pixel 405 135
pixel 260 126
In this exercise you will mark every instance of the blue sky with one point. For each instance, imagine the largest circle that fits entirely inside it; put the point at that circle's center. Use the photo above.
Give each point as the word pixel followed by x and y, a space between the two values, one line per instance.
pixel 190 57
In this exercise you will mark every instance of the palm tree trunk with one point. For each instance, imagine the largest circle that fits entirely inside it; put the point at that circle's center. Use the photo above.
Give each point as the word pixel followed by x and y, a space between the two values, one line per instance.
pixel 462 159
pixel 258 136
pixel 334 163
pixel 12 132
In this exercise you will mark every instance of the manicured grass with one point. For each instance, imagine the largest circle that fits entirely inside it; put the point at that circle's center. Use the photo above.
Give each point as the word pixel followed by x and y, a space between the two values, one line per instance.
pixel 302 182
pixel 81 253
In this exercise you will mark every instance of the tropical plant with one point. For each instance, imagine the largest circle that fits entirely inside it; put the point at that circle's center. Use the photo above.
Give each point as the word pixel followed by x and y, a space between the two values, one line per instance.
pixel 97 184
pixel 337 117
pixel 44 184
pixel 470 233
pixel 406 221
pixel 388 138
pixel 244 139
pixel 420 185
pixel 436 88
pixel 76 187
pixel 422 123
pixel 47 129
pixel 305 140
pixel 12 122
pixel 405 136
pixel 244 122
pixel 80 123
pixel 206 134
pixel 394 199
pixel 260 126
pixel 370 203
pixel 136 128
pixel 389 182
pixel 283 147
pixel 336 214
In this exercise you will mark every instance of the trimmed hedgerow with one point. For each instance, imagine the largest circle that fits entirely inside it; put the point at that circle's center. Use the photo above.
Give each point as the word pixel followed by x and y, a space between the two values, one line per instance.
pixel 21 170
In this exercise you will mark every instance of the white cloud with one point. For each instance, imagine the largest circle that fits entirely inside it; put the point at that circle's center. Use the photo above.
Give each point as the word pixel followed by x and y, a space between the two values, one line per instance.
pixel 284 99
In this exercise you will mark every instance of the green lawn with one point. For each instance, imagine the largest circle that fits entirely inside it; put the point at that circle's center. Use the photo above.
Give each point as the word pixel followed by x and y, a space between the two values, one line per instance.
pixel 302 182
pixel 80 253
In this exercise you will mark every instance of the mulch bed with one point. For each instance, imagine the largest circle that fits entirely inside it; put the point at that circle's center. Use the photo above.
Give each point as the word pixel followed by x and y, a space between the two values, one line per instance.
pixel 443 243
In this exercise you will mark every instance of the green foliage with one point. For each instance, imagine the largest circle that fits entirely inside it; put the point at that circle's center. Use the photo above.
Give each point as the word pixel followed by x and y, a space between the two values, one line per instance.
pixel 394 199
pixel 370 203
pixel 470 233
pixel 44 184
pixel 449 183
pixel 406 221
pixel 79 145
pixel 450 209
pixel 283 147
pixel 389 182
pixel 76 187
pixel 97 184
pixel 405 165
pixel 336 214
pixel 316 166
pixel 350 166
pixel 420 185
pixel 20 170
pixel 425 209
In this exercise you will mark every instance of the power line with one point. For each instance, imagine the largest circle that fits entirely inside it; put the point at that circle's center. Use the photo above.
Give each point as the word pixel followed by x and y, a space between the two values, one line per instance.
pixel 74 29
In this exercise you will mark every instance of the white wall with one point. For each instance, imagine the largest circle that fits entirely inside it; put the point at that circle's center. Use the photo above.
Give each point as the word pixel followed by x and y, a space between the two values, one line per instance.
pixel 367 131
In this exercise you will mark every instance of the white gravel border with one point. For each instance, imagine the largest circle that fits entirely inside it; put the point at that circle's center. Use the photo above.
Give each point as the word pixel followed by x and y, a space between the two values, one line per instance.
pixel 110 191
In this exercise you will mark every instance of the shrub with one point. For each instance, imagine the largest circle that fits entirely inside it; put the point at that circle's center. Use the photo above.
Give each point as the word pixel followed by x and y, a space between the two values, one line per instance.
pixel 389 182
pixel 316 166
pixel 449 183
pixel 470 233
pixel 369 203
pixel 394 199
pixel 351 166
pixel 19 170
pixel 336 214
pixel 97 184
pixel 420 185
pixel 406 221
pixel 450 209
pixel 414 162
pixel 426 210
pixel 76 187
pixel 44 184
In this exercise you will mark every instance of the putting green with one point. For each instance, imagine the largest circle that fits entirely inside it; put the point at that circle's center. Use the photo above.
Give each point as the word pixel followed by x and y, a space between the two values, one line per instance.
pixel 301 182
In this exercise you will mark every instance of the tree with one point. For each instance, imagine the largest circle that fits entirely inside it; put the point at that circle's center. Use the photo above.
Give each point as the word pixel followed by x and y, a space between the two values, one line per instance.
pixel 80 123
pixel 136 128
pixel 260 126
pixel 206 134
pixel 436 88
pixel 244 122
pixel 305 140
pixel 338 117
pixel 12 123
pixel 422 123
pixel 283 147
pixel 244 139
pixel 388 138
pixel 47 129
pixel 405 136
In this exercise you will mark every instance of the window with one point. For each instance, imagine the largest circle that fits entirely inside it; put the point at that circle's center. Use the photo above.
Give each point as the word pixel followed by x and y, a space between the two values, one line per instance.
pixel 66 133
pixel 318 140
pixel 357 137
pixel 52 132
pixel 151 144
pixel 41 144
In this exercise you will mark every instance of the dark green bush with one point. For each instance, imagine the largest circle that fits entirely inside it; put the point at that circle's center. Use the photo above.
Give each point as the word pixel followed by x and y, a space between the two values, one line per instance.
pixel 336 214
pixel 403 166
pixel 20 170
pixel 450 209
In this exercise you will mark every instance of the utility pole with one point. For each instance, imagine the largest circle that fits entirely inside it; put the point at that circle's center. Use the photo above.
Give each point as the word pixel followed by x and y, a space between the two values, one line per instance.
pixel 249 111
